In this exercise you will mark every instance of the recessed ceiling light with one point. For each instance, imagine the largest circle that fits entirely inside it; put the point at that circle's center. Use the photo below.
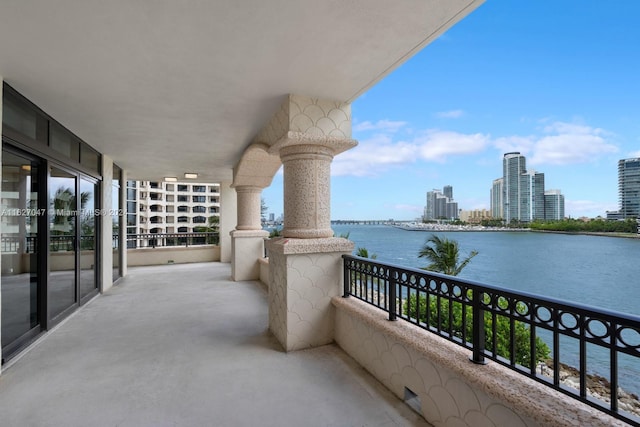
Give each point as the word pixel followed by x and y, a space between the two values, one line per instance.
pixel 170 178
pixel 191 175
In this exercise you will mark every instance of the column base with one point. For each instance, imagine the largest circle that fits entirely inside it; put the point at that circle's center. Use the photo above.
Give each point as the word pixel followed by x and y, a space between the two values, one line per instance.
pixel 247 246
pixel 304 275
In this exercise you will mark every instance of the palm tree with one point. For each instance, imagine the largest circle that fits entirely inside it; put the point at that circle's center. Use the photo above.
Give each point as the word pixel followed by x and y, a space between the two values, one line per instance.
pixel 443 254
pixel 364 253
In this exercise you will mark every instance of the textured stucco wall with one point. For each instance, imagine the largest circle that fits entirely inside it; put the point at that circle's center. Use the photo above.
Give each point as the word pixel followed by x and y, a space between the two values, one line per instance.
pixel 452 390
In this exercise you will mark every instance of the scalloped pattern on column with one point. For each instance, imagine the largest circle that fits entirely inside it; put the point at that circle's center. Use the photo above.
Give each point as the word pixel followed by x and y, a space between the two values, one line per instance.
pixel 278 296
pixel 319 117
pixel 312 116
pixel 313 280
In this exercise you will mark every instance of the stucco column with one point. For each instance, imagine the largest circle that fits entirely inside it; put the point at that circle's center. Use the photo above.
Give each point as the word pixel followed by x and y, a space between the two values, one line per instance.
pixel 228 217
pixel 248 207
pixel 105 252
pixel 247 240
pixel 305 265
pixel 307 207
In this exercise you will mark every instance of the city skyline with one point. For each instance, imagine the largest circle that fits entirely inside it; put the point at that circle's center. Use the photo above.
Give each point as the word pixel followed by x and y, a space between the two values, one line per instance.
pixel 553 80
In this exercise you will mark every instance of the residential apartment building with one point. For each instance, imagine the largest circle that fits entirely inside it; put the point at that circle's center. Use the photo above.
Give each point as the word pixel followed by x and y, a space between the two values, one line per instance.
pixel 553 205
pixel 496 194
pixel 475 216
pixel 170 207
pixel 440 205
pixel 629 187
pixel 523 194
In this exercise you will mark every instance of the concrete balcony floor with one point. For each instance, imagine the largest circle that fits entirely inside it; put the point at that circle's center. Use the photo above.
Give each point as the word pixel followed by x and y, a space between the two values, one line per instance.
pixel 182 345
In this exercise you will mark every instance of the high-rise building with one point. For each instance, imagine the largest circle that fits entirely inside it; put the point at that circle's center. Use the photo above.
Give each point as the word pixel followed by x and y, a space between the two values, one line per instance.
pixel 447 190
pixel 553 205
pixel 513 166
pixel 629 187
pixel 523 195
pixel 440 205
pixel 497 205
pixel 532 196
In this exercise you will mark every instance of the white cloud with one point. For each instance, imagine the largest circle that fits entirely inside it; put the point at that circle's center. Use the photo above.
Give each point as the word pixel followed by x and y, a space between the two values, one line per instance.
pixel 588 208
pixel 562 143
pixel 437 145
pixel 380 125
pixel 377 154
pixel 452 114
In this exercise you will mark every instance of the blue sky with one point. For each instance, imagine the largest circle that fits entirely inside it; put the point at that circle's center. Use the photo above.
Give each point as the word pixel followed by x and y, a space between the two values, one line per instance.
pixel 558 81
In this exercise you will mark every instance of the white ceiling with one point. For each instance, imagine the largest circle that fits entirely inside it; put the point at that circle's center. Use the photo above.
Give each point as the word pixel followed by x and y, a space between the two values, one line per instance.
pixel 169 86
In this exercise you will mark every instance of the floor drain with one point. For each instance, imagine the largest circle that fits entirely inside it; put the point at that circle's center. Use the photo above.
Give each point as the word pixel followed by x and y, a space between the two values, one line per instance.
pixel 412 399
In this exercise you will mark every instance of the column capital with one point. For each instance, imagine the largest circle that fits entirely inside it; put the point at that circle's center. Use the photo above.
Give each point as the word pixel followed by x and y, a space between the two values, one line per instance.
pixel 302 143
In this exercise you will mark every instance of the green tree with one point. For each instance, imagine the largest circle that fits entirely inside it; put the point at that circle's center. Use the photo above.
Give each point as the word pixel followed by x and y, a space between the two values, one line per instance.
pixel 448 315
pixel 213 226
pixel 444 255
pixel 449 319
pixel 364 253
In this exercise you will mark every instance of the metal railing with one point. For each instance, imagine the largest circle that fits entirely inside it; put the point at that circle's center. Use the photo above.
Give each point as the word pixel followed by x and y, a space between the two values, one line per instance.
pixel 155 240
pixel 66 243
pixel 524 332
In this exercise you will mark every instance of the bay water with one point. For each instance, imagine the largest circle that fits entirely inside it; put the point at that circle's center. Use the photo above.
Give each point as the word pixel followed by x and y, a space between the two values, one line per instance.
pixel 598 271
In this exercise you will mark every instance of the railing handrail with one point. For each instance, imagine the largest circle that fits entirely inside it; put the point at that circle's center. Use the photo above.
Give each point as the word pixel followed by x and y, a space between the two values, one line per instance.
pixel 507 291
pixel 154 240
pixel 434 298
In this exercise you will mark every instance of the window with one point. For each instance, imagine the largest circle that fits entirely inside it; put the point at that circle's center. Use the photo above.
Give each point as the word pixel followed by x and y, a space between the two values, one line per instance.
pixel 153 184
pixel 199 209
pixel 89 158
pixel 183 187
pixel 64 143
pixel 199 220
pixel 183 198
pixel 199 188
pixel 183 219
pixel 183 208
pixel 183 229
pixel 213 209
pixel 213 199
pixel 199 199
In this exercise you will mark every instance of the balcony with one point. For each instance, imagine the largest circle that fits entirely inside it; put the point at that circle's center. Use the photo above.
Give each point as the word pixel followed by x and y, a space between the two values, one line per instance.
pixel 183 345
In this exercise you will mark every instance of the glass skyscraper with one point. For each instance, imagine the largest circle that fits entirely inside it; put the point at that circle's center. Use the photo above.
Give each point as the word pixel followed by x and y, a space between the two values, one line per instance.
pixel 629 187
pixel 522 190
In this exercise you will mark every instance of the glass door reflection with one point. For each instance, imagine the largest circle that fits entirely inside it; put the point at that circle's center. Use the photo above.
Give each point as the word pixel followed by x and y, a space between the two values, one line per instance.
pixel 21 313
pixel 88 219
pixel 62 245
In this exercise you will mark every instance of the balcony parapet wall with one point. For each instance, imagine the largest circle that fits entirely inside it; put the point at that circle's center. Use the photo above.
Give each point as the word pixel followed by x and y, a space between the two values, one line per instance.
pixel 451 389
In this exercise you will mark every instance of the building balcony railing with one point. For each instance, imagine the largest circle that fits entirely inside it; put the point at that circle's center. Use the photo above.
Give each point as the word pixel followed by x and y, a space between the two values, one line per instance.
pixel 524 332
pixel 154 240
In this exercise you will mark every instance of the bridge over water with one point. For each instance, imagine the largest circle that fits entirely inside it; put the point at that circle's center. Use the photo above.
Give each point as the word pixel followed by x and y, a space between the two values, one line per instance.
pixel 367 222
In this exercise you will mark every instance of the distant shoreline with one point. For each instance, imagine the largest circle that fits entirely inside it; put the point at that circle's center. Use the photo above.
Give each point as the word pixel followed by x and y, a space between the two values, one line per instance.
pixel 462 228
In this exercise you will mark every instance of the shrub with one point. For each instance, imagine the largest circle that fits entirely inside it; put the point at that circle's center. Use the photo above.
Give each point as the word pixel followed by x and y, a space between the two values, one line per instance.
pixel 416 307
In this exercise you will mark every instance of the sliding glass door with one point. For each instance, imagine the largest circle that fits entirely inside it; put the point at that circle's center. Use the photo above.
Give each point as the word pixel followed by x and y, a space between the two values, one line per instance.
pixel 21 296
pixel 87 244
pixel 62 241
